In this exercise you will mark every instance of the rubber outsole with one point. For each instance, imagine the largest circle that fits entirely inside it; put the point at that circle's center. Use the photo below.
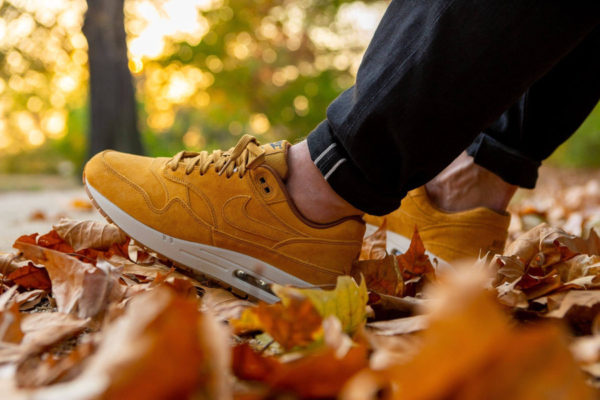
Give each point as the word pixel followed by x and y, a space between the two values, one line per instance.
pixel 242 274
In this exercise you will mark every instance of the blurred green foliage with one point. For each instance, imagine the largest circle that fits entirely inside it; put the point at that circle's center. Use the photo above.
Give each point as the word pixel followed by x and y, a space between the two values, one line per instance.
pixel 583 148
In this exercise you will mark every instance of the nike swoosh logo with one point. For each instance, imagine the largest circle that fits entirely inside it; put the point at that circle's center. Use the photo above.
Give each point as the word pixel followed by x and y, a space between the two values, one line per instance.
pixel 237 214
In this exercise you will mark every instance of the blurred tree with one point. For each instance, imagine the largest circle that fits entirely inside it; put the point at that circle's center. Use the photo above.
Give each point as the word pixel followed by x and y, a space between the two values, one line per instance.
pixel 113 122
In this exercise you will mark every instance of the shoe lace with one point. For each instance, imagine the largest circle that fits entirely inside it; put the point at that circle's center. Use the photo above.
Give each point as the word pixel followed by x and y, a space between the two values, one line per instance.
pixel 246 153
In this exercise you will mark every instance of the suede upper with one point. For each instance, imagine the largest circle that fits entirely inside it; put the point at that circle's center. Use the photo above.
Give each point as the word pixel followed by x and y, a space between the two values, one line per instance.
pixel 249 213
pixel 448 235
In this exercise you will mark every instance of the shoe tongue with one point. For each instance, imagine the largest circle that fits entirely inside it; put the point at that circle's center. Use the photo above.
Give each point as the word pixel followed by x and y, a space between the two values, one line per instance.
pixel 276 157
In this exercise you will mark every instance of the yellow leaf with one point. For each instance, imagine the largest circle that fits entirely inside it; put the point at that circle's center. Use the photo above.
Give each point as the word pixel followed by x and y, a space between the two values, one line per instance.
pixel 347 301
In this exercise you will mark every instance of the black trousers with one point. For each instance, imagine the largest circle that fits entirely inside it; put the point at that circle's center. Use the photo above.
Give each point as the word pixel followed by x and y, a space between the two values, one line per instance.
pixel 507 80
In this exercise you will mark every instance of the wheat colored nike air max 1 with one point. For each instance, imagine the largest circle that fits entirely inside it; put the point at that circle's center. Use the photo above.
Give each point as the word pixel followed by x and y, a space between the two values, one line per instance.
pixel 225 214
pixel 449 236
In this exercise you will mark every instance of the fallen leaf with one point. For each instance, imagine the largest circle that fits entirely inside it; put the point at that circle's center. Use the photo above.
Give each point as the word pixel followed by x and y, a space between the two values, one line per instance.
pixel 89 234
pixel 45 329
pixel 392 350
pixel 29 299
pixel 391 307
pixel 399 326
pixel 79 288
pixel 415 262
pixel 151 351
pixel 581 298
pixel 37 215
pixel 292 323
pixel 8 263
pixel 45 369
pixel 347 301
pixel 374 245
pixel 52 240
pixel 31 277
pixel 81 204
pixel 10 325
pixel 381 275
pixel 472 351
pixel 318 375
pixel 223 304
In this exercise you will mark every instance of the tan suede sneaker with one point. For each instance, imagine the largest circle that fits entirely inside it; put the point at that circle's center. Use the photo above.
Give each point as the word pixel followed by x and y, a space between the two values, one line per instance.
pixel 226 214
pixel 449 236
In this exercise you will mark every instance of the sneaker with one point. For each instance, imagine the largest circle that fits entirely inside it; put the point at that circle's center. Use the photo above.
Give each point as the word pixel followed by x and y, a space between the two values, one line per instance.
pixel 225 214
pixel 448 236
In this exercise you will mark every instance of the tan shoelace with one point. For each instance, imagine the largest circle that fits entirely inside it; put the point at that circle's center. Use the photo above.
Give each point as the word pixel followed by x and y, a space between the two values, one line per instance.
pixel 240 158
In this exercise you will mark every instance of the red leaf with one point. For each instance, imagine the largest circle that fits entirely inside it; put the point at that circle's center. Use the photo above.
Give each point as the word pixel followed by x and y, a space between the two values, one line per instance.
pixel 31 277
pixel 415 262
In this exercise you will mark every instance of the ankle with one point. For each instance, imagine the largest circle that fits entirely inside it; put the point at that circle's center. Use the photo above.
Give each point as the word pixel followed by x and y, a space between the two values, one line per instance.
pixel 310 192
pixel 464 185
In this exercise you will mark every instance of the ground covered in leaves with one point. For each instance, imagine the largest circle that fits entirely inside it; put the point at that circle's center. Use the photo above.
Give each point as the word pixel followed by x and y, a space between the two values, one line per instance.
pixel 86 313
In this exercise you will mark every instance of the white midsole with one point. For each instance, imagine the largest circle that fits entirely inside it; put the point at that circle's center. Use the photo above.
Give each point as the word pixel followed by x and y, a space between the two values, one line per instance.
pixel 208 260
pixel 398 243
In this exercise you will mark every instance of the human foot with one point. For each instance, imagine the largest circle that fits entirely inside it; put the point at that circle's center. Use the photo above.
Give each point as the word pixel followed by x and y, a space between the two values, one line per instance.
pixel 461 213
pixel 449 236
pixel 227 215
pixel 464 185
pixel 313 196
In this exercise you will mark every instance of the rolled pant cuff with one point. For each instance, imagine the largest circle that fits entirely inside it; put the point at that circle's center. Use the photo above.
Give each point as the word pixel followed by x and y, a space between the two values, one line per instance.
pixel 344 177
pixel 509 164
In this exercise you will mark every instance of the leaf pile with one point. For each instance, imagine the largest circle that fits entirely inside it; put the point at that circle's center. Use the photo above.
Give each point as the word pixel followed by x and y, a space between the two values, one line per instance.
pixel 85 313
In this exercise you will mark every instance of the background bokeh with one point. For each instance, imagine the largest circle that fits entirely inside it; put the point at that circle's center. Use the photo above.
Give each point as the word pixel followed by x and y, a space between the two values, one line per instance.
pixel 204 71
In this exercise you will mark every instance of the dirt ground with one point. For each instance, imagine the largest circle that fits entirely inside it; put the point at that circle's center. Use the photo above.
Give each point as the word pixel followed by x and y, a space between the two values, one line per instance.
pixel 26 210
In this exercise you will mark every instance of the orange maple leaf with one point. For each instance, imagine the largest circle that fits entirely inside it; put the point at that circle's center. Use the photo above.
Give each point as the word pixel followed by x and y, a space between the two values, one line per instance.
pixel 415 262
pixel 382 276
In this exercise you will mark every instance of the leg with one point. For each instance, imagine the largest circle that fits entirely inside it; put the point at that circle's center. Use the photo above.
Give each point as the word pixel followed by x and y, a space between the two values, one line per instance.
pixel 429 84
pixel 514 146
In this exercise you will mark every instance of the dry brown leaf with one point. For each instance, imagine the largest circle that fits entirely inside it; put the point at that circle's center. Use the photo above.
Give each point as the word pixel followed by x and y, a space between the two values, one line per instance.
pixel 374 245
pixel 415 262
pixel 214 338
pixel 471 351
pixel 29 299
pixel 31 277
pixel 151 351
pixel 150 271
pixel 527 244
pixel 89 234
pixel 43 330
pixel 10 325
pixel 7 298
pixel 392 350
pixel 391 307
pixel 8 263
pixel 318 375
pixel 381 275
pixel 79 288
pixel 581 298
pixel 399 326
pixel 223 304
pixel 297 323
pixel 44 369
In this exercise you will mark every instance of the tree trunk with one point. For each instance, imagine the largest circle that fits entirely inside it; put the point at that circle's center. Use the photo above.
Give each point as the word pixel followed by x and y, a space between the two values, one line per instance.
pixel 113 114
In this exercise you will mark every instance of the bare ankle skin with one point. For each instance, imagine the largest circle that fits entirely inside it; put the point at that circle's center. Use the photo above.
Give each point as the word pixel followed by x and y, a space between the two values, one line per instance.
pixel 311 193
pixel 464 185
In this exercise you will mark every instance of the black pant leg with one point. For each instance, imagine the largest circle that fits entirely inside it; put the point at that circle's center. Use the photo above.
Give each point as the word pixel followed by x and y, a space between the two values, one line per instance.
pixel 514 146
pixel 436 73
